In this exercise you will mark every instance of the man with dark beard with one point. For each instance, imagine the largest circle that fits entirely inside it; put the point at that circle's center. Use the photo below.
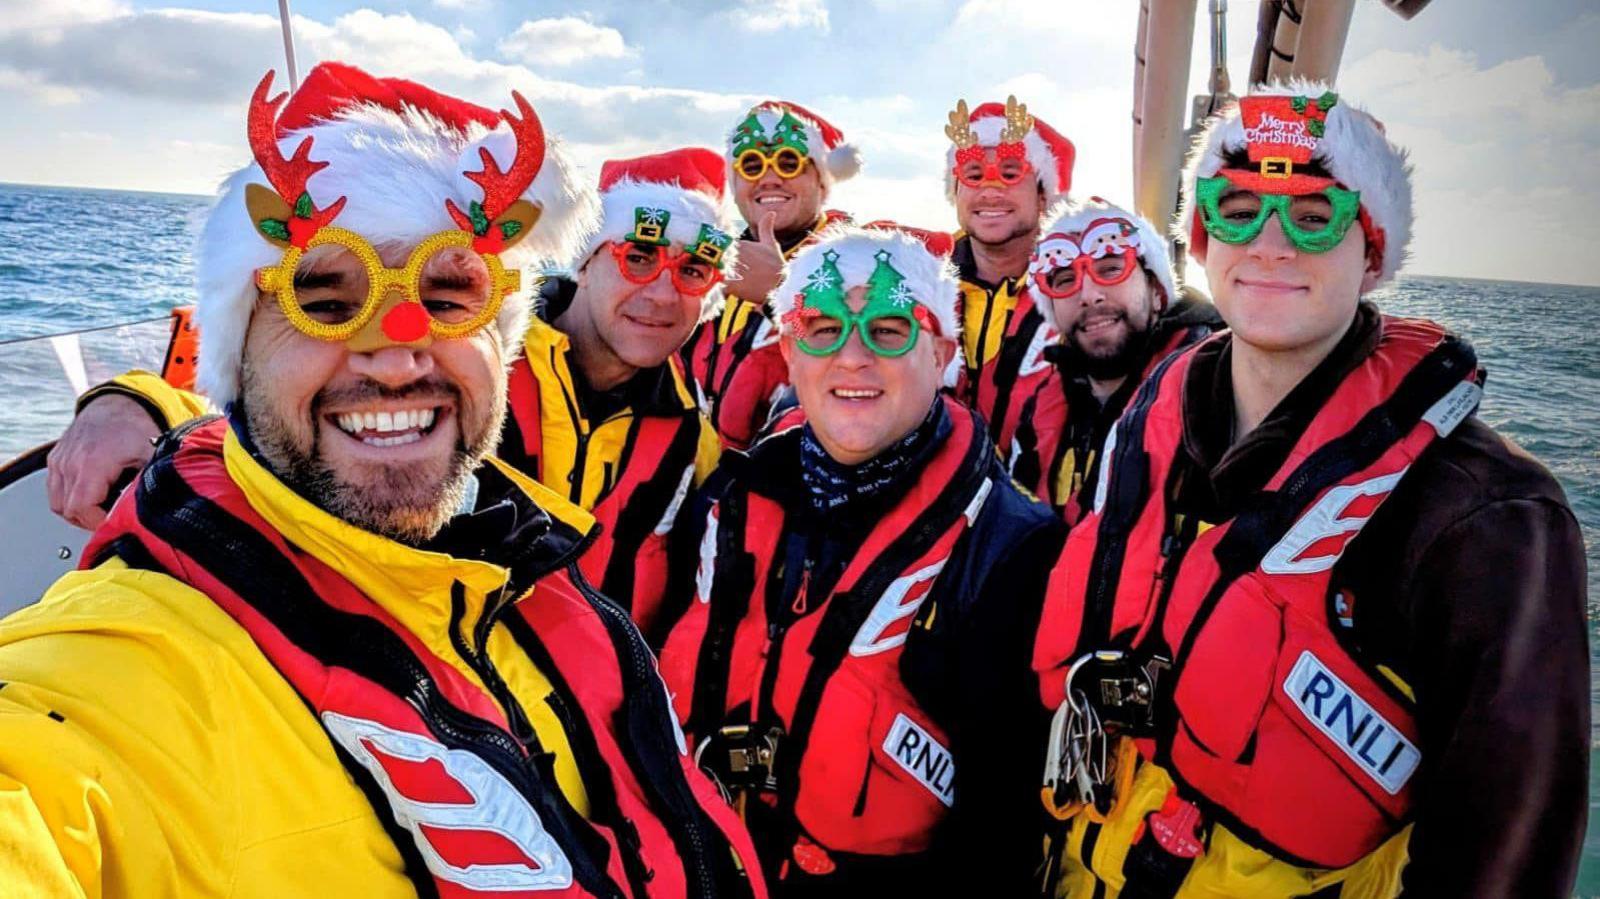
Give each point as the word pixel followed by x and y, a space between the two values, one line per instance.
pixel 1104 283
pixel 1005 168
pixel 328 644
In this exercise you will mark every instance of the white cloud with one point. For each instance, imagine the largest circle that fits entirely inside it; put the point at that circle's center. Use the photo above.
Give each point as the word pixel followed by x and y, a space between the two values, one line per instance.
pixel 461 4
pixel 775 15
pixel 562 42
pixel 1503 155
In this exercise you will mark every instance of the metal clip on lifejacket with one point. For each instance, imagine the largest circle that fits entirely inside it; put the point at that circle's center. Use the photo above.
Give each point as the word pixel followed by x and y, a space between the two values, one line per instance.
pixel 741 758
pixel 1107 688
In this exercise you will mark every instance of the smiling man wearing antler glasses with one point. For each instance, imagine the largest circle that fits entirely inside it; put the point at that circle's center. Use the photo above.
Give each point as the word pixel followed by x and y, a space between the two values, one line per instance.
pixel 327 644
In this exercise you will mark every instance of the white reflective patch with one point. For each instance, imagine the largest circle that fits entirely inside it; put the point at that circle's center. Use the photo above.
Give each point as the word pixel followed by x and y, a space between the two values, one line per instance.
pixel 1105 468
pixel 899 603
pixel 978 499
pixel 1324 520
pixel 1453 408
pixel 496 807
pixel 1033 360
pixel 923 757
pixel 1375 745
pixel 665 524
pixel 708 559
pixel 766 333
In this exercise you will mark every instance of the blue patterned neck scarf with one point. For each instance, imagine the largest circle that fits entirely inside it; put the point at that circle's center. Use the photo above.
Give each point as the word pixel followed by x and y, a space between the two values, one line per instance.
pixel 831 484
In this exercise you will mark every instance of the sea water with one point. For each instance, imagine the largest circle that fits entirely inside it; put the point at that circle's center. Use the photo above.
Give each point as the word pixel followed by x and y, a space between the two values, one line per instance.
pixel 77 259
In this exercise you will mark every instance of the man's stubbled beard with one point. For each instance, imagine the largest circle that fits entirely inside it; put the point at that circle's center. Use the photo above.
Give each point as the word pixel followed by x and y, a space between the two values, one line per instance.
pixel 406 503
pixel 1119 363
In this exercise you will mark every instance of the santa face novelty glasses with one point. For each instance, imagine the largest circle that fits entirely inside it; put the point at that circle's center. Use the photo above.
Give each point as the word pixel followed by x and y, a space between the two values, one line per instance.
pixel 1067 280
pixel 786 161
pixel 452 289
pixel 641 263
pixel 1313 223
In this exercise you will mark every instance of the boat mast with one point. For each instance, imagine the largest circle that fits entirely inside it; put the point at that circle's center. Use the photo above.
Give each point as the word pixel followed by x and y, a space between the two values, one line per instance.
pixel 288 44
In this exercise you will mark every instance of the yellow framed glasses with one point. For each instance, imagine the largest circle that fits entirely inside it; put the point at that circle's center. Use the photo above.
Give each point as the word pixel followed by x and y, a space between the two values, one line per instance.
pixel 787 162
pixel 446 288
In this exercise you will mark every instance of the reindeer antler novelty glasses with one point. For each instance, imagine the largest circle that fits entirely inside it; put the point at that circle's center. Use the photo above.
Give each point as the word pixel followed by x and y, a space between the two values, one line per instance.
pixel 452 284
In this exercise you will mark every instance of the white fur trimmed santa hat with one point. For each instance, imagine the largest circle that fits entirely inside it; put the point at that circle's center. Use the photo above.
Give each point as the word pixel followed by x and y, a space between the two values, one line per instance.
pixel 921 258
pixel 1097 228
pixel 384 157
pixel 771 123
pixel 993 125
pixel 1278 126
pixel 682 193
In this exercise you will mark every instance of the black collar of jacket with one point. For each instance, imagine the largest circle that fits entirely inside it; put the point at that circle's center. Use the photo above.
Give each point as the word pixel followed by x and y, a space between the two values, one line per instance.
pixel 1241 469
pixel 651 391
pixel 507 528
pixel 1180 316
pixel 967 266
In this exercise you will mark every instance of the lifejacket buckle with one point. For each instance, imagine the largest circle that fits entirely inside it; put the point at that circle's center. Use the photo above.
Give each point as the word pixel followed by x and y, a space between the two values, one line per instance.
pixel 1121 686
pixel 741 757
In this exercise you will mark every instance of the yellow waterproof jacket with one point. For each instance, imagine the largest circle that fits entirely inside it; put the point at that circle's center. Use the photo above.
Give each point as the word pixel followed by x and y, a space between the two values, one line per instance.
pixel 148 747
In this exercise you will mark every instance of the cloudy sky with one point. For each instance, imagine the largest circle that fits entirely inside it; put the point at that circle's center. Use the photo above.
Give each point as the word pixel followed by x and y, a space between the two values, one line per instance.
pixel 1499 102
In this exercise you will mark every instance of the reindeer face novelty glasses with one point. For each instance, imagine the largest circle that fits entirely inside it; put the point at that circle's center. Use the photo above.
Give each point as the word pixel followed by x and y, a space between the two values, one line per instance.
pixel 1009 164
pixel 451 286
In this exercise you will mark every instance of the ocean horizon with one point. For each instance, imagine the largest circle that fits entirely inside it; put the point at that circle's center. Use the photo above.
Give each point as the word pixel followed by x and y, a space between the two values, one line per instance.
pixel 130 261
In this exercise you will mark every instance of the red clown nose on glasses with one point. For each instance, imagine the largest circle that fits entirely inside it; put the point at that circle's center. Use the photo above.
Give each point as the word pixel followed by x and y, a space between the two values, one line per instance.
pixel 1002 145
pixel 317 225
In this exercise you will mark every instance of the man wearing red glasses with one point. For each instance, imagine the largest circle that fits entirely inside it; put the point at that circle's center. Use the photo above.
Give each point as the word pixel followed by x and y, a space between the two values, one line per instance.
pixel 1101 279
pixel 785 159
pixel 600 411
pixel 852 665
pixel 1005 168
pixel 328 644
pixel 1321 631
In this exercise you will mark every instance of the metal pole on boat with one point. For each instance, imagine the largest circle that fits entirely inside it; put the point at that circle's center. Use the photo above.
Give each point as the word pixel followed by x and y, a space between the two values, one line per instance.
pixel 288 44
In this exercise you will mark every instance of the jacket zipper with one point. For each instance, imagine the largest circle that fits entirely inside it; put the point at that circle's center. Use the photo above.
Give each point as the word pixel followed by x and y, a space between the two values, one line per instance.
pixel 640 668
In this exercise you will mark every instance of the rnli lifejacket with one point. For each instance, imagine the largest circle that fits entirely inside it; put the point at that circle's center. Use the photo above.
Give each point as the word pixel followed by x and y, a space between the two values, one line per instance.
pixel 449 762
pixel 1267 720
pixel 1052 453
pixel 632 470
pixel 735 361
pixel 1003 340
pixel 863 768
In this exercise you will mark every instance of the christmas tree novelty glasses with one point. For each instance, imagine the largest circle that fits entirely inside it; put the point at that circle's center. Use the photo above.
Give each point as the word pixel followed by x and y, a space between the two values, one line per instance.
pixel 452 284
pixel 889 321
pixel 1314 222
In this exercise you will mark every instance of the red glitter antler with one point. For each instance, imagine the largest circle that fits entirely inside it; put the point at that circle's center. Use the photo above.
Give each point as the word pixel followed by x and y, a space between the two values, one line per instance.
pixel 287 176
pixel 502 188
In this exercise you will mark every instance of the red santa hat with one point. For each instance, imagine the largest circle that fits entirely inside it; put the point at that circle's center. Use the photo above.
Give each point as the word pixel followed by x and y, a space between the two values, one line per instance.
pixel 396 152
pixel 1281 126
pixel 930 280
pixel 835 158
pixel 992 124
pixel 1097 228
pixel 682 193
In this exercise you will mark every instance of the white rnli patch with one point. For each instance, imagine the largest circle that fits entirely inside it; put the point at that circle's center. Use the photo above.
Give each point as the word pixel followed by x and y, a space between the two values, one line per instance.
pixel 1375 745
pixel 451 795
pixel 923 757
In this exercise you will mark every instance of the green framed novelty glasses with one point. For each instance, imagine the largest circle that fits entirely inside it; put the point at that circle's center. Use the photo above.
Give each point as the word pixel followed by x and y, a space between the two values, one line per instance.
pixel 1313 223
pixel 822 320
